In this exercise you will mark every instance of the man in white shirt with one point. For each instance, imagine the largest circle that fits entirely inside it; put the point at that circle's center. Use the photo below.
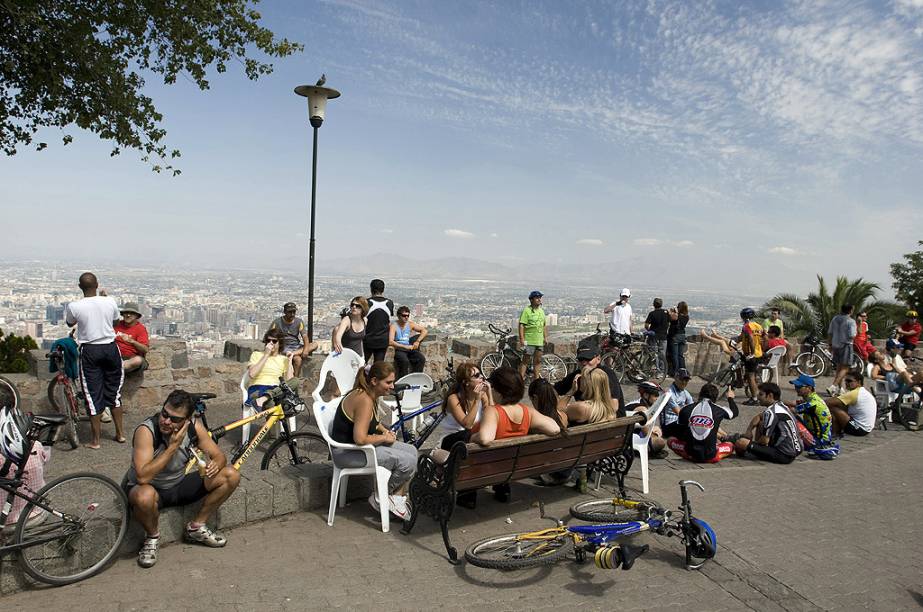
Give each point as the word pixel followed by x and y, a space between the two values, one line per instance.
pixel 621 313
pixel 855 410
pixel 101 372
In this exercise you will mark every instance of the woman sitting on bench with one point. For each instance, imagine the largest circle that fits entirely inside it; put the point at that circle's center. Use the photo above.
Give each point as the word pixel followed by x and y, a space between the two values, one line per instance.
pixel 508 418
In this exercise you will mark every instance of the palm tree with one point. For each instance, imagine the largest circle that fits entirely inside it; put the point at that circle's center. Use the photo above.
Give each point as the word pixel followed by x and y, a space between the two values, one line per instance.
pixel 813 314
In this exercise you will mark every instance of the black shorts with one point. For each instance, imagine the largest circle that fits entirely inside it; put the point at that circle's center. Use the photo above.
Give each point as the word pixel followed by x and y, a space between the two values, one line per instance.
pixel 852 428
pixel 908 346
pixel 190 489
pixel 750 364
pixel 768 453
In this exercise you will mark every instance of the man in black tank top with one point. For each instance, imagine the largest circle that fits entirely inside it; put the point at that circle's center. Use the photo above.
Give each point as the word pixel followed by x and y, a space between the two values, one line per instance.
pixel 381 309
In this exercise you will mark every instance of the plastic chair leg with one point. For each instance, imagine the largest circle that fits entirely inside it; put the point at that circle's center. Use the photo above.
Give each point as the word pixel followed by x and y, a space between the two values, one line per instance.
pixel 245 430
pixel 381 480
pixel 344 481
pixel 642 455
pixel 334 494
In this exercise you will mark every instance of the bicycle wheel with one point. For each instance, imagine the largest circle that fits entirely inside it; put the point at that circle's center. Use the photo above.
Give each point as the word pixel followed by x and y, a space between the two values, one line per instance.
pixel 490 362
pixel 519 550
pixel 61 397
pixel 95 518
pixel 857 364
pixel 810 363
pixel 553 368
pixel 616 363
pixel 610 510
pixel 723 377
pixel 9 394
pixel 307 447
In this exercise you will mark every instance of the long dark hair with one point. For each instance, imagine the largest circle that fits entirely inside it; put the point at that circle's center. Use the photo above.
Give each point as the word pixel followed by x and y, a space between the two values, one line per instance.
pixel 462 374
pixel 545 400
pixel 508 385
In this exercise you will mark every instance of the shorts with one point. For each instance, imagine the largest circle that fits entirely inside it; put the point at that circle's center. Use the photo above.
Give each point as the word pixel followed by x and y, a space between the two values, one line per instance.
pixel 190 489
pixel 750 364
pixel 842 356
pixel 530 349
pixel 722 450
pixel 864 349
pixel 144 365
pixel 853 428
pixel 768 453
pixel 254 391
pixel 908 346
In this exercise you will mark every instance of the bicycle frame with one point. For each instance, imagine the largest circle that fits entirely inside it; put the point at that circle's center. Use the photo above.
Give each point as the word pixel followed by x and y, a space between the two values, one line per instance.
pixel 409 437
pixel 272 415
pixel 11 486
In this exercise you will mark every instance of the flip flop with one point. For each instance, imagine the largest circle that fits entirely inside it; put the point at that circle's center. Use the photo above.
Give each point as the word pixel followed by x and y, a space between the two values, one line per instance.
pixel 90 447
pixel 120 439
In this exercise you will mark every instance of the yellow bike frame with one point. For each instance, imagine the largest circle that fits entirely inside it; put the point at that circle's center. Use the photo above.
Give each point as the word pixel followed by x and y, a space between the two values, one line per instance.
pixel 272 415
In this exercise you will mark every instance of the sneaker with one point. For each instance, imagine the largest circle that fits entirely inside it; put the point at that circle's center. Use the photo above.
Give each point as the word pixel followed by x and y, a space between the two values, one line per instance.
pixel 399 506
pixel 147 556
pixel 373 502
pixel 752 402
pixel 106 417
pixel 833 390
pixel 204 535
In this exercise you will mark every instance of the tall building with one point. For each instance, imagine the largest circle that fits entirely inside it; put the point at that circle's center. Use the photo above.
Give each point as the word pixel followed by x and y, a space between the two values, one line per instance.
pixel 253 331
pixel 34 329
pixel 54 314
pixel 418 310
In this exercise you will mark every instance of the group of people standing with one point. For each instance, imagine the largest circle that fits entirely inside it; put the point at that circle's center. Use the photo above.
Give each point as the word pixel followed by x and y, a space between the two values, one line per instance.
pixel 665 329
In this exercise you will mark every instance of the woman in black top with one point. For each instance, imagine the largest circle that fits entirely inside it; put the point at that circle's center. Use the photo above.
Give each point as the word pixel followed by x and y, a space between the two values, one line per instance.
pixel 676 336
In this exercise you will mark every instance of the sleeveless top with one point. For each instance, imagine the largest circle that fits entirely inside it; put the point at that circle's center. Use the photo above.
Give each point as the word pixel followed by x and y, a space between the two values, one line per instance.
pixel 507 428
pixel 342 429
pixel 452 425
pixel 353 340
pixel 402 334
pixel 174 472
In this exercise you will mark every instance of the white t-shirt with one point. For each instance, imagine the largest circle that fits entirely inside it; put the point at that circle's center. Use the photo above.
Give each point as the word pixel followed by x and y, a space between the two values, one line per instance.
pixel 861 406
pixel 94 317
pixel 621 319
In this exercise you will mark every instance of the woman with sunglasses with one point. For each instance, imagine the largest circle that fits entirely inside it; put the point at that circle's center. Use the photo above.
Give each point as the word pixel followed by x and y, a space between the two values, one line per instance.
pixel 351 331
pixel 267 366
pixel 465 404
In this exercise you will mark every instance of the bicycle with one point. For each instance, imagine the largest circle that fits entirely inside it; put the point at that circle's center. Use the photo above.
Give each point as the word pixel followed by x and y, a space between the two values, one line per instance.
pixel 302 446
pixel 623 518
pixel 430 422
pixel 734 374
pixel 553 367
pixel 818 359
pixel 9 394
pixel 82 517
pixel 634 364
pixel 66 399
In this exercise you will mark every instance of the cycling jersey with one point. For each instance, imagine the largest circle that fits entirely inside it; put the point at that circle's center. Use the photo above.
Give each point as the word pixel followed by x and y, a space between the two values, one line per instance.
pixel 816 417
pixel 698 426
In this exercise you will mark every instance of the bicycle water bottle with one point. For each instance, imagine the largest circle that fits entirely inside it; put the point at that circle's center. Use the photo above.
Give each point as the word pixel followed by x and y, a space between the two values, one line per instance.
pixel 428 420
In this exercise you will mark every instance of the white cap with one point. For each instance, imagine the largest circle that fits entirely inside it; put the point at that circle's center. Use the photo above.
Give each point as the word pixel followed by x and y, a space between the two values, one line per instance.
pixel 626 292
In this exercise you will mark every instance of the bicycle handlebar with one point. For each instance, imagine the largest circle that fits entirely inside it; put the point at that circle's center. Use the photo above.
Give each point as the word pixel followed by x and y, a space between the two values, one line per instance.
pixel 686 483
pixel 498 331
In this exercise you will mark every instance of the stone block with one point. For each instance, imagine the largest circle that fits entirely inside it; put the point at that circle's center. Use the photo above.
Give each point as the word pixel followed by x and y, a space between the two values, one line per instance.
pixel 157 378
pixel 230 350
pixel 285 492
pixel 233 511
pixel 227 367
pixel 38 364
pixel 156 360
pixel 472 349
pixel 184 373
pixel 145 397
pixel 204 372
pixel 180 359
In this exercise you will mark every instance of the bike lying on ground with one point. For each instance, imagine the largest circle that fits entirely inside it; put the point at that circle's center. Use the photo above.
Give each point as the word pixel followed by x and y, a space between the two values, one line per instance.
pixel 290 448
pixel 624 518
pixel 818 359
pixel 552 368
pixel 73 526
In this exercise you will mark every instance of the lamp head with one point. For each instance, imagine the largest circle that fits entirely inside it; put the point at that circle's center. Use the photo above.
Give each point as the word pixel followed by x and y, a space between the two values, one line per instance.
pixel 317 101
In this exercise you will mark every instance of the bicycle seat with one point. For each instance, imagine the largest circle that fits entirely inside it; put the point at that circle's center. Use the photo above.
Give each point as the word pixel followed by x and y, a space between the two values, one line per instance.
pixel 631 553
pixel 202 396
pixel 48 420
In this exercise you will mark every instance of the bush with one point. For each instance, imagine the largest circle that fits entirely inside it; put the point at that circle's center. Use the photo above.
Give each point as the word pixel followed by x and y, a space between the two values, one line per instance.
pixel 13 351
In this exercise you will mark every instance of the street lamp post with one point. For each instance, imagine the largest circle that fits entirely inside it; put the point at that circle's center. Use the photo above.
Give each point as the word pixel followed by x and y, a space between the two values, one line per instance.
pixel 317 96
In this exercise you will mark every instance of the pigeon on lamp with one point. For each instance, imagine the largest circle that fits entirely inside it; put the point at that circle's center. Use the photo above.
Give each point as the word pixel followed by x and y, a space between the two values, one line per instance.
pixel 321 80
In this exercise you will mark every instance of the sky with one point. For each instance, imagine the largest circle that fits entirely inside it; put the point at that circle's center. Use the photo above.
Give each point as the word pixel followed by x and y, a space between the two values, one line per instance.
pixel 721 145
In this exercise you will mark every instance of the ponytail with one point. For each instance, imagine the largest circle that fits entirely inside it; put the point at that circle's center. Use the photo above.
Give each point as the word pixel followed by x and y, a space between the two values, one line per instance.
pixel 379 370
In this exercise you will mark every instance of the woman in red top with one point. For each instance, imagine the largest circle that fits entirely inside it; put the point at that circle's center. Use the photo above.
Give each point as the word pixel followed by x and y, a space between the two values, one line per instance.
pixel 509 418
pixel 861 342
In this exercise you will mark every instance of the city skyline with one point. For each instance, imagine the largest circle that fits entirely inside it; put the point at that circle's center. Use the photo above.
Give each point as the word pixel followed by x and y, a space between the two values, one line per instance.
pixel 722 146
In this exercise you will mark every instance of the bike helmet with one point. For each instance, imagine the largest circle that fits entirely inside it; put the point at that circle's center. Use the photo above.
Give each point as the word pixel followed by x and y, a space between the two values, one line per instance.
pixel 825 451
pixel 747 313
pixel 649 387
pixel 13 427
pixel 912 314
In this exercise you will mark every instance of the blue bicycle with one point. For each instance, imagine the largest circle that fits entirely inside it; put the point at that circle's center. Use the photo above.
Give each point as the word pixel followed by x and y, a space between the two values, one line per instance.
pixel 603 541
pixel 404 422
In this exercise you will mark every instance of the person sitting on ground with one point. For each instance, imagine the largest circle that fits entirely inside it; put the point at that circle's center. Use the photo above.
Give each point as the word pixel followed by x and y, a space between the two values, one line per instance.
pixel 597 404
pixel 465 403
pixel 648 393
pixel 861 343
pixel 157 478
pixel 266 367
pixel 355 422
pixel 405 337
pixel 812 411
pixel 132 339
pixel 350 332
pixel 694 435
pixel 773 435
pixel 588 359
pixel 678 398
pixel 908 333
pixel 840 335
pixel 297 343
pixel 855 410
pixel 774 338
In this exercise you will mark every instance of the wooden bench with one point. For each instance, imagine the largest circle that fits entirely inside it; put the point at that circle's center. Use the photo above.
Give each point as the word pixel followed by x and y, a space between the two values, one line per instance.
pixel 602 446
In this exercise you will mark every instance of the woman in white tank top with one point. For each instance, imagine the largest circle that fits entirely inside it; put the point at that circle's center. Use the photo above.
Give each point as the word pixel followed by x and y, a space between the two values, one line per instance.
pixel 465 403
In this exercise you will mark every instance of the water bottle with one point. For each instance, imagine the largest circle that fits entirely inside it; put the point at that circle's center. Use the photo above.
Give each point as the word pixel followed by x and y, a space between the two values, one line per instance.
pixel 428 420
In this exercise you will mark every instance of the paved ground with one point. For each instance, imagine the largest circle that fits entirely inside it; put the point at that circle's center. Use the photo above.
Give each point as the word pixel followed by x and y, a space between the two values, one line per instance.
pixel 812 535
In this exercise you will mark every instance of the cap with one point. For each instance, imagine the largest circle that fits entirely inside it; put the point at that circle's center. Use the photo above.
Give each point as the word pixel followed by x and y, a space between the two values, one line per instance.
pixel 586 353
pixel 911 314
pixel 626 292
pixel 289 306
pixel 803 380
pixel 535 294
pixel 893 344
pixel 682 374
pixel 130 307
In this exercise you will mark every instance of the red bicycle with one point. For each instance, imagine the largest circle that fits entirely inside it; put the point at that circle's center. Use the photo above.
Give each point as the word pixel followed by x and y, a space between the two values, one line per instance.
pixel 67 399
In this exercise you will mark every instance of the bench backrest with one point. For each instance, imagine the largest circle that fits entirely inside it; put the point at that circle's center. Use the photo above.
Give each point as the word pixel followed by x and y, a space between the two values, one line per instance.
pixel 517 458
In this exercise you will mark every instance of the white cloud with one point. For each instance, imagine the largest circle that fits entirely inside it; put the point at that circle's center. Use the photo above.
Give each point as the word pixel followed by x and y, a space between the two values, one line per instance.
pixel 658 242
pixel 647 241
pixel 494 235
pixel 784 250
pixel 386 230
pixel 590 241
pixel 457 233
pixel 683 243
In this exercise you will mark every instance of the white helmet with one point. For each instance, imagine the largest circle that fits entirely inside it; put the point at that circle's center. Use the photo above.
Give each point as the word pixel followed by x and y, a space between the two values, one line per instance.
pixel 13 428
pixel 625 292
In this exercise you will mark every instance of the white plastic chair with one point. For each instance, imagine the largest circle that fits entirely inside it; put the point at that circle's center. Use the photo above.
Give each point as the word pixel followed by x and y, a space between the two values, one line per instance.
pixel 344 367
pixel 411 399
pixel 246 410
pixel 770 370
pixel 639 441
pixel 323 414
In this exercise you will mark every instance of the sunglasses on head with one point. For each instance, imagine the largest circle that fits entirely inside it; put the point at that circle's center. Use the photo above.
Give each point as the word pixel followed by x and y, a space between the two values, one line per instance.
pixel 171 417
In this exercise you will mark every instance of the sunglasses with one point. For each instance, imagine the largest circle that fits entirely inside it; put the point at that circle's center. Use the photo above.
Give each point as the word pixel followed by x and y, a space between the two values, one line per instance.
pixel 355 306
pixel 273 341
pixel 406 315
pixel 170 417
pixel 478 375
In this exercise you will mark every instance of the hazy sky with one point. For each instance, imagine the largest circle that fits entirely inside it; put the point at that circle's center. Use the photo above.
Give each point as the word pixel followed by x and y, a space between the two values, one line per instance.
pixel 754 143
